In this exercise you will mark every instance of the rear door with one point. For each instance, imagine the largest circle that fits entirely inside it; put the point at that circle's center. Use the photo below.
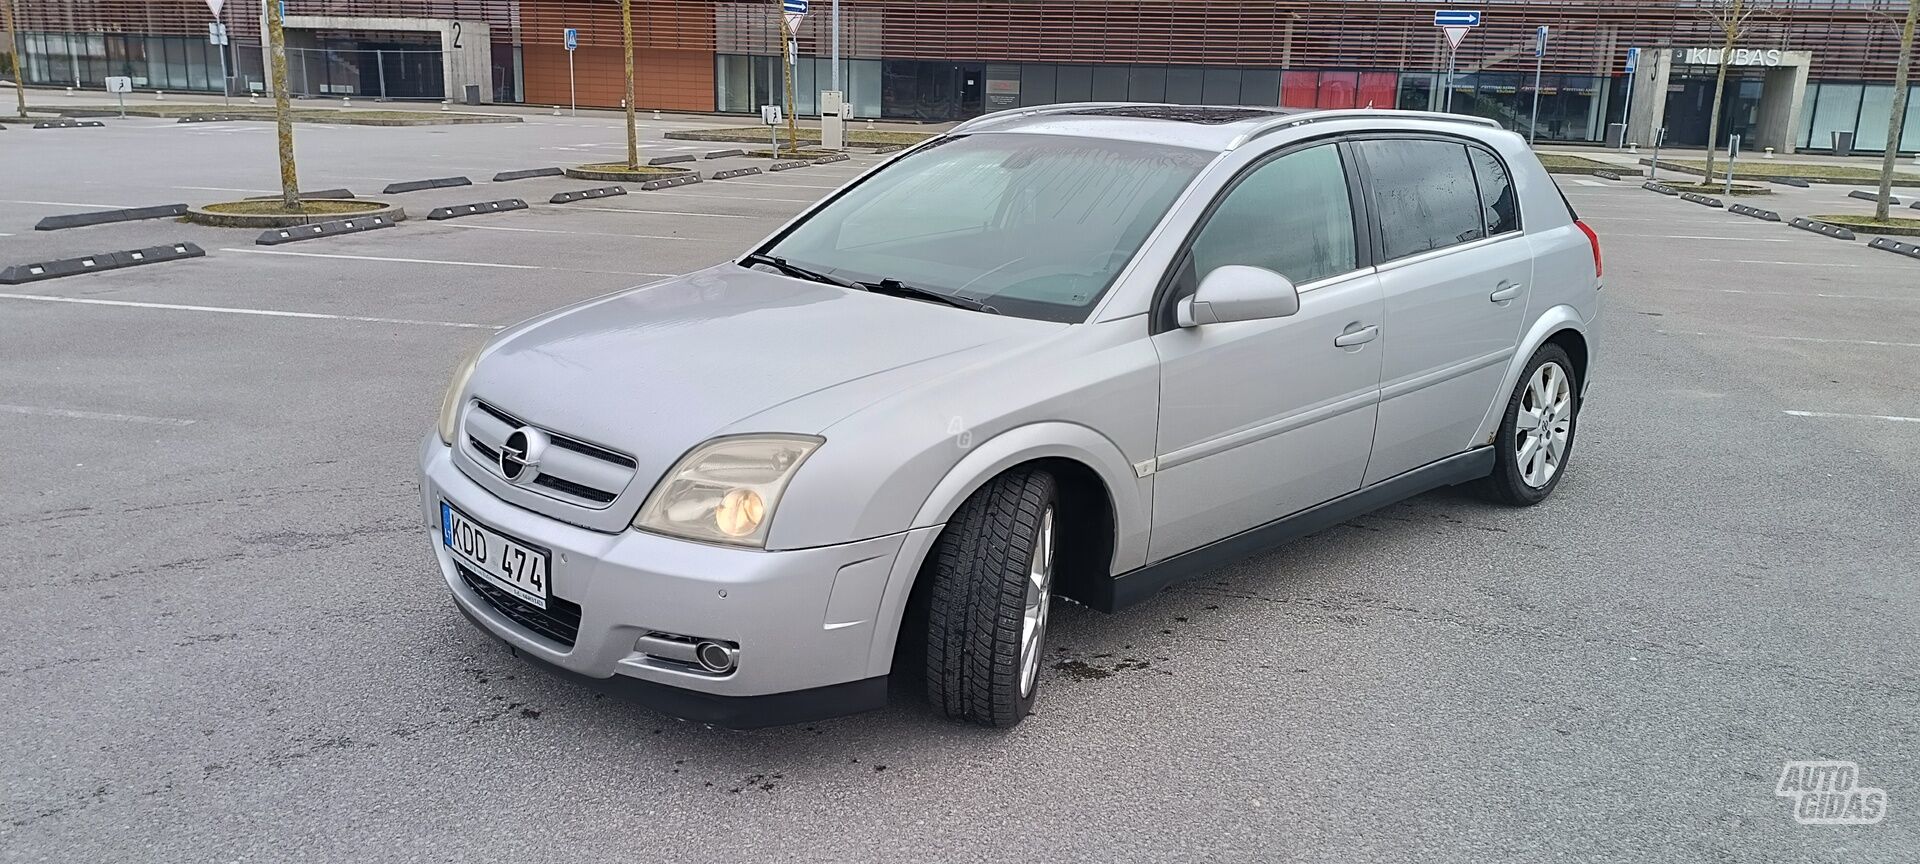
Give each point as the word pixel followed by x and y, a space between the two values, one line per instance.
pixel 1454 271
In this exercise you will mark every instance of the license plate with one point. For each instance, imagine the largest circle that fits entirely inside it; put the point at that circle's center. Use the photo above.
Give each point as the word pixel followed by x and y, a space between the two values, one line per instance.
pixel 519 568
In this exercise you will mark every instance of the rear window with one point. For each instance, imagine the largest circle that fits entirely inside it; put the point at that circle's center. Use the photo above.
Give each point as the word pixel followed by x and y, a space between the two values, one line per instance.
pixel 1425 195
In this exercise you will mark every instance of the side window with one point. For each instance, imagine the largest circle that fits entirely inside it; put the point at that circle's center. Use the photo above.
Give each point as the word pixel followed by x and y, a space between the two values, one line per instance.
pixel 1292 216
pixel 1500 210
pixel 1424 194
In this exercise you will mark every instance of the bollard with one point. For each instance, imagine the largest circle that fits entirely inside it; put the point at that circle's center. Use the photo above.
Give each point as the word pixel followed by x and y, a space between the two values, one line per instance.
pixel 1769 153
pixel 869 122
pixel 253 99
pixel 69 91
pixel 346 101
pixel 1633 146
pixel 443 104
pixel 556 110
pixel 159 95
pixel 656 115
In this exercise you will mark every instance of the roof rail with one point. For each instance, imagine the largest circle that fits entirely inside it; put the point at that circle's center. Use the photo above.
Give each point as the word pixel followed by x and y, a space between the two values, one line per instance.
pixel 1290 120
pixel 1012 113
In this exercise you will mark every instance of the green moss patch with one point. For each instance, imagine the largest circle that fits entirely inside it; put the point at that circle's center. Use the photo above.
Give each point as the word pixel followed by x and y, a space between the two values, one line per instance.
pixel 309 207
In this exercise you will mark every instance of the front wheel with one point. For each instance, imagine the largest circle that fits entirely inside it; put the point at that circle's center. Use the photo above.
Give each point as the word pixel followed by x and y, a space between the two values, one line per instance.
pixel 991 585
pixel 1536 434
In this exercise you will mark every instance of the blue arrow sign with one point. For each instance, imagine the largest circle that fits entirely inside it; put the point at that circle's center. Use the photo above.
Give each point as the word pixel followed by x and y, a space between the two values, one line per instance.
pixel 1445 17
pixel 794 7
pixel 573 38
pixel 1633 60
pixel 1540 41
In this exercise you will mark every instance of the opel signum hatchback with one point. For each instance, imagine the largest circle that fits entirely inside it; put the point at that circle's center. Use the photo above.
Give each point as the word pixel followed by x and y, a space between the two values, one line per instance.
pixel 1083 350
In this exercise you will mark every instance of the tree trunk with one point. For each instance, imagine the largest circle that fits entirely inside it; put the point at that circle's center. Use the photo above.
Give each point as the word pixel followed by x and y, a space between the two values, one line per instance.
pixel 1899 118
pixel 19 82
pixel 788 40
pixel 282 113
pixel 1732 27
pixel 626 44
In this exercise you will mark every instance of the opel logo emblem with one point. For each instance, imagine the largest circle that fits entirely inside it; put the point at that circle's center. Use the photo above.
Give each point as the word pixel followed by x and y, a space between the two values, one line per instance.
pixel 520 454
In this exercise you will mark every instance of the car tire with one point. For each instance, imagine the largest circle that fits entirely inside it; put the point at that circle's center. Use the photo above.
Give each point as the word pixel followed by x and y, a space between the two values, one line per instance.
pixel 1536 434
pixel 986 611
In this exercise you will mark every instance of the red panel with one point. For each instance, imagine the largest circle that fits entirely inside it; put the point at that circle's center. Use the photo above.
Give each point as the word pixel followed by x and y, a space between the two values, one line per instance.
pixel 1337 89
pixel 1297 89
pixel 1378 89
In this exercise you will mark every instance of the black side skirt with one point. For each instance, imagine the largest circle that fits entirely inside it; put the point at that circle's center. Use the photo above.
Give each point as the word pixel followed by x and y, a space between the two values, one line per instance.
pixel 1135 586
pixel 734 712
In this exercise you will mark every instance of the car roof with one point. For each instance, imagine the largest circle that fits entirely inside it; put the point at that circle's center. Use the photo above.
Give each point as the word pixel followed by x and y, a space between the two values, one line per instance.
pixel 1212 128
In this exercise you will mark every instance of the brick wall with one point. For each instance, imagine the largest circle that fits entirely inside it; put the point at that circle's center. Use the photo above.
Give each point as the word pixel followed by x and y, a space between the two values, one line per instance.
pixel 663 78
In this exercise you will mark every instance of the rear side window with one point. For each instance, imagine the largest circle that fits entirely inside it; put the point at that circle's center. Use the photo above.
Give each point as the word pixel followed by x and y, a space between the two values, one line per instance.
pixel 1499 208
pixel 1424 193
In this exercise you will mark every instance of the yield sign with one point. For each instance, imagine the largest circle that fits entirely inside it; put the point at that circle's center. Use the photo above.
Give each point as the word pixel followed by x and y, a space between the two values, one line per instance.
pixel 1454 35
pixel 793 21
pixel 215 6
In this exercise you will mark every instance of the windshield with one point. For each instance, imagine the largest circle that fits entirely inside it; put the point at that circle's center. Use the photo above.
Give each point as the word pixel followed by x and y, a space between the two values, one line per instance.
pixel 1030 225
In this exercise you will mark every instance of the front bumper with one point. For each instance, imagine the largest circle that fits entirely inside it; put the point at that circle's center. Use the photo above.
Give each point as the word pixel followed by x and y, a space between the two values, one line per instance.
pixel 805 620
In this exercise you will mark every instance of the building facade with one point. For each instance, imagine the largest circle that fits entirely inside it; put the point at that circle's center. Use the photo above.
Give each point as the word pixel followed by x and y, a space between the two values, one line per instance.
pixel 1802 69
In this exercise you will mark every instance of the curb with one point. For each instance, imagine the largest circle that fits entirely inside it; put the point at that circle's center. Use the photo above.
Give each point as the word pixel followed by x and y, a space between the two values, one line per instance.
pixel 294 234
pixel 417 185
pixel 1659 187
pixel 523 174
pixel 103 217
pixel 669 160
pixel 1792 181
pixel 1703 200
pixel 322 195
pixel 624 176
pixel 722 154
pixel 68 124
pixel 210 118
pixel 1755 212
pixel 1911 250
pixel 22 273
pixel 202 216
pixel 1833 231
pixel 734 172
pixel 1873 196
pixel 837 157
pixel 788 166
pixel 584 194
pixel 1607 175
pixel 459 210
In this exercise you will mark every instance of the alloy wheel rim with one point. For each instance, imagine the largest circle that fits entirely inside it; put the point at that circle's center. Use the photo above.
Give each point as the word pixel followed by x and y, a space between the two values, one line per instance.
pixel 1543 425
pixel 1033 619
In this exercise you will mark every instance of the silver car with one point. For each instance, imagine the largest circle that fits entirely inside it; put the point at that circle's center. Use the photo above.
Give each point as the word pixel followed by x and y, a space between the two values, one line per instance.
pixel 1085 350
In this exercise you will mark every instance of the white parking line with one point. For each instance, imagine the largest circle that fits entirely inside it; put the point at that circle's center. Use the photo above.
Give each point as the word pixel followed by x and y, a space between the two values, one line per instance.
pixel 1785 263
pixel 67 204
pixel 688 191
pixel 1817 295
pixel 223 189
pixel 93 415
pixel 742 181
pixel 1585 182
pixel 673 213
pixel 442 262
pixel 1838 416
pixel 1708 237
pixel 230 310
pixel 586 233
pixel 1795 338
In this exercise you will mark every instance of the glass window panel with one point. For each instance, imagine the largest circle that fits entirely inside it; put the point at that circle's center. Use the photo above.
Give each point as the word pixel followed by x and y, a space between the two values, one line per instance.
pixel 1416 91
pixel 1037 84
pixel 1337 89
pixel 1837 110
pixel 1110 83
pixel 1299 89
pixel 1500 210
pixel 1424 193
pixel 866 88
pixel 1910 131
pixel 1376 90
pixel 1148 84
pixel 1292 216
pixel 1186 85
pixel 1073 83
pixel 804 90
pixel 1876 108
pixel 1221 87
pixel 1260 87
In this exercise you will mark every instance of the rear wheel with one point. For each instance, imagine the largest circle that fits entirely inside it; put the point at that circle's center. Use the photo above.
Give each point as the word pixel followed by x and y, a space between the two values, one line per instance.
pixel 1536 434
pixel 991 585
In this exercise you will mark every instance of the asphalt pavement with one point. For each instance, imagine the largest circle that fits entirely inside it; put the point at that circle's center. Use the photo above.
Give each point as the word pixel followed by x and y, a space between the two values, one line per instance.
pixel 222 637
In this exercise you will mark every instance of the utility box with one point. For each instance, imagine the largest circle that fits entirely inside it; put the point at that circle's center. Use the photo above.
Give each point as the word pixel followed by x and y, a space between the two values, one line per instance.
pixel 1616 135
pixel 1842 143
pixel 473 94
pixel 833 119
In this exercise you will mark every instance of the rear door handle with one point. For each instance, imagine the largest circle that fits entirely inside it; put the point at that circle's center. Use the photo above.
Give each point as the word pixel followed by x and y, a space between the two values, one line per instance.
pixel 1506 291
pixel 1360 336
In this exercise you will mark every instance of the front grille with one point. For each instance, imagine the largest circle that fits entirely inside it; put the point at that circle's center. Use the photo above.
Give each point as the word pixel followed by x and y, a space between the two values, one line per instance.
pixel 575 471
pixel 559 622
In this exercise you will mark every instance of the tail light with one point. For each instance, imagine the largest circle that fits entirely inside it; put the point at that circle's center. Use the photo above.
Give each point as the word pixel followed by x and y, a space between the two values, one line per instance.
pixel 1592 240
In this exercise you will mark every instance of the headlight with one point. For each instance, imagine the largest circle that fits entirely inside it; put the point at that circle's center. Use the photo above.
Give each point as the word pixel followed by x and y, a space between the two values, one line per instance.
pixel 450 403
pixel 725 490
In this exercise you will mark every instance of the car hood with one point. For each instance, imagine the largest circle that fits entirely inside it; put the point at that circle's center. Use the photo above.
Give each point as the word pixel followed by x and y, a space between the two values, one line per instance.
pixel 654 371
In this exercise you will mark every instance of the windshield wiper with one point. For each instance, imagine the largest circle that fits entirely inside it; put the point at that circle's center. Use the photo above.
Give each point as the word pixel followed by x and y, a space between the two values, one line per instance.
pixel 897 288
pixel 797 271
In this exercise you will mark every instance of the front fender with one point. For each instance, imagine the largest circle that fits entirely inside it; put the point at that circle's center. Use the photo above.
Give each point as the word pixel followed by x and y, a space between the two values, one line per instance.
pixel 1555 319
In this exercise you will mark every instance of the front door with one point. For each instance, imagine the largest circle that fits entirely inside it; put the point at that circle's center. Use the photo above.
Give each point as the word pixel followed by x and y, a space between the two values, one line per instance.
pixel 1454 269
pixel 1261 419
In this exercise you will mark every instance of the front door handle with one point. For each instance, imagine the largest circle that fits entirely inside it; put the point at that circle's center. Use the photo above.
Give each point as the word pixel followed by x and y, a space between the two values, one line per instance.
pixel 1506 291
pixel 1358 336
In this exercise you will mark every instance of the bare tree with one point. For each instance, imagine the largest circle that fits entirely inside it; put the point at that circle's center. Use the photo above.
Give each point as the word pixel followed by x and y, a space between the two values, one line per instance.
pixel 626 43
pixel 13 36
pixel 1731 16
pixel 282 113
pixel 1899 117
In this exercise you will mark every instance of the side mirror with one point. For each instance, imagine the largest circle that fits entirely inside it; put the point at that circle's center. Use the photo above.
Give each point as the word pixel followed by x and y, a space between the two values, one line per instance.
pixel 1236 292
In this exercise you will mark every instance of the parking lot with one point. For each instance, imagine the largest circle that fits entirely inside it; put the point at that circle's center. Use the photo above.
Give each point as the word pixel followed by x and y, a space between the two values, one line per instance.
pixel 224 639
